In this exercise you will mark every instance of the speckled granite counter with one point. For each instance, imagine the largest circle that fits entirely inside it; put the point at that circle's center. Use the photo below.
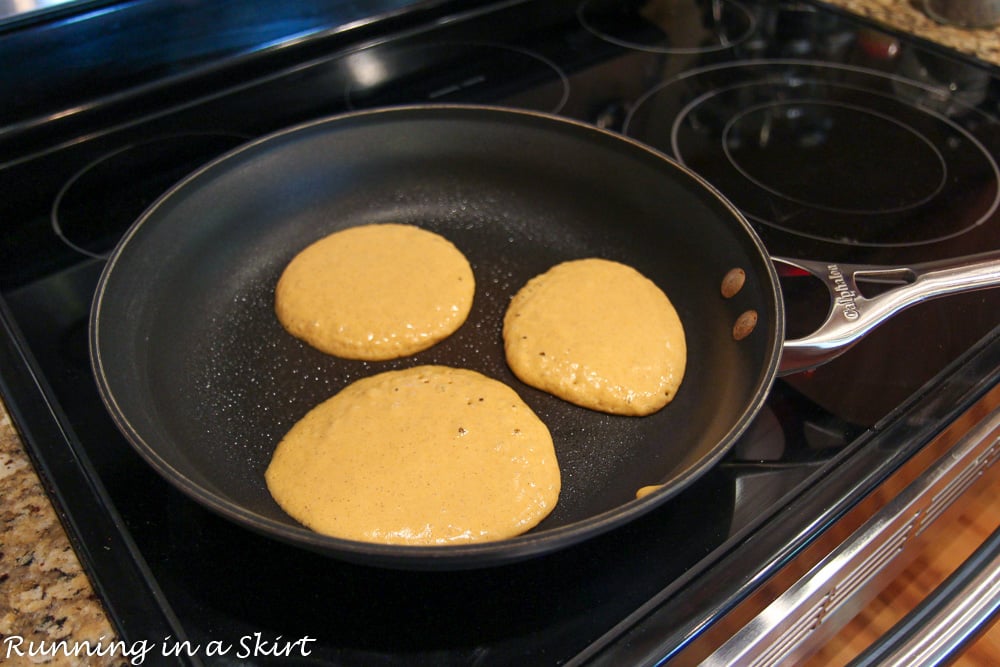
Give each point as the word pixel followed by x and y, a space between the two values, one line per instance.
pixel 45 596
pixel 905 16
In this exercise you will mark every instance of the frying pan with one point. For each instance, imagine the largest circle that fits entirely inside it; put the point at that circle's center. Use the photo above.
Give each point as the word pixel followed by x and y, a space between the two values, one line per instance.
pixel 198 374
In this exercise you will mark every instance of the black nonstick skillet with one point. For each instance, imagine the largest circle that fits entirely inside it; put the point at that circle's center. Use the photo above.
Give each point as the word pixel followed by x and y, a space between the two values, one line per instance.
pixel 199 375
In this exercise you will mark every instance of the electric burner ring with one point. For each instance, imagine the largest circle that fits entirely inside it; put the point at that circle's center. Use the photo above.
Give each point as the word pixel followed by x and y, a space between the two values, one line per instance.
pixel 103 198
pixel 899 207
pixel 457 89
pixel 909 203
pixel 720 11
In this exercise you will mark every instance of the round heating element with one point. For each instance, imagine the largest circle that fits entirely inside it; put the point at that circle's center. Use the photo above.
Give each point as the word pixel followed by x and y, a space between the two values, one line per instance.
pixel 792 150
pixel 831 153
pixel 455 72
pixel 668 26
pixel 100 201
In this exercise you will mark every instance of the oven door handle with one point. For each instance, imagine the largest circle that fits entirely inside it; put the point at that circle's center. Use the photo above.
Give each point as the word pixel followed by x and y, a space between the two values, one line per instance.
pixel 950 618
pixel 822 601
pixel 852 315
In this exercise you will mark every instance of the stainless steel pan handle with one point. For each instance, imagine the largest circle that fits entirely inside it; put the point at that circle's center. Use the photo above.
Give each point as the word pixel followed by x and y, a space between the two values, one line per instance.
pixel 853 315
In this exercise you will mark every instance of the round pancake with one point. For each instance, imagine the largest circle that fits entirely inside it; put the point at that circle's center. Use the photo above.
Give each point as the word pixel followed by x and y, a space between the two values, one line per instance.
pixel 375 292
pixel 598 334
pixel 429 455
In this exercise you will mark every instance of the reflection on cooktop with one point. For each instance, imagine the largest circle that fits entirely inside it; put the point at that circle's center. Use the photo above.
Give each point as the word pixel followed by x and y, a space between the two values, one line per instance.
pixel 454 72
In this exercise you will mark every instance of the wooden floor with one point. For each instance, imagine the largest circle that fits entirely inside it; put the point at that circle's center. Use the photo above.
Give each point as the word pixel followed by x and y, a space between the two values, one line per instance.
pixel 969 522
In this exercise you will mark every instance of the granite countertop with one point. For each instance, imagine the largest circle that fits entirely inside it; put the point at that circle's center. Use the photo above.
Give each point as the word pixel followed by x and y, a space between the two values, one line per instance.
pixel 46 596
pixel 905 16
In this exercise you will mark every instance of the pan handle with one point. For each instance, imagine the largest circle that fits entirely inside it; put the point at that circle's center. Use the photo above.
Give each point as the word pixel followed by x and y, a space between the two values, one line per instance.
pixel 853 315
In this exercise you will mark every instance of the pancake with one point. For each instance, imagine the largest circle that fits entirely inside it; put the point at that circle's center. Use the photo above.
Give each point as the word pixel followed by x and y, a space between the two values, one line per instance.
pixel 430 455
pixel 598 334
pixel 375 292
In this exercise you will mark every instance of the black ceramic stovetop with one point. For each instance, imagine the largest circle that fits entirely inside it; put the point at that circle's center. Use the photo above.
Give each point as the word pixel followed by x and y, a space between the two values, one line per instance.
pixel 838 141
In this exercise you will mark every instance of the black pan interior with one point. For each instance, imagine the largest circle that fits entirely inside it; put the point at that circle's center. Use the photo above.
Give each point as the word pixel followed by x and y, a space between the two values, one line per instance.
pixel 203 380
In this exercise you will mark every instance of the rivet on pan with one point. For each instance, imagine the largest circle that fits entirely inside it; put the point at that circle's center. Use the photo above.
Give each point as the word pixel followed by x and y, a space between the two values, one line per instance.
pixel 732 282
pixel 745 324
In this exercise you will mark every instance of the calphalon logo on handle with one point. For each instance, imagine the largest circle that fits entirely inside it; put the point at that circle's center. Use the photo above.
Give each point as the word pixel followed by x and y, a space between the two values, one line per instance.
pixel 845 296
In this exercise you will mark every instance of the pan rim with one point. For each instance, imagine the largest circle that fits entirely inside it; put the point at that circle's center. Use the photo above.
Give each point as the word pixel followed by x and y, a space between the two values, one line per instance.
pixel 456 556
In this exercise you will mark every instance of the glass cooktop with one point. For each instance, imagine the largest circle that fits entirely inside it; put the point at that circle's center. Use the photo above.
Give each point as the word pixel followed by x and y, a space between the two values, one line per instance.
pixel 838 141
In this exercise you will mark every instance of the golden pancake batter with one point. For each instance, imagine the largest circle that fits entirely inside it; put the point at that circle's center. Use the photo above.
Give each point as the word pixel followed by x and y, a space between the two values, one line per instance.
pixel 599 334
pixel 429 455
pixel 375 292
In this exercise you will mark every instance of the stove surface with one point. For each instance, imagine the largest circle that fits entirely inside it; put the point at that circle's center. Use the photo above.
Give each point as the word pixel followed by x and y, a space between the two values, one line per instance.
pixel 839 143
